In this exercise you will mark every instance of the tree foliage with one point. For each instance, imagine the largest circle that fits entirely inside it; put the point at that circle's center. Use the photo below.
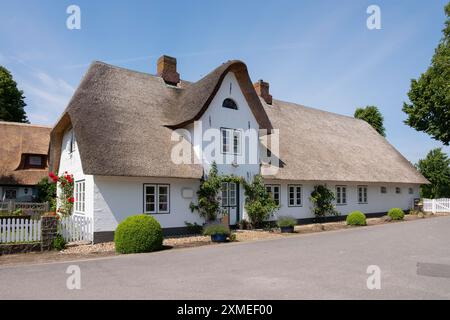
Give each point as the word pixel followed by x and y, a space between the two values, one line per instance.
pixel 208 195
pixel 259 204
pixel 11 99
pixel 372 116
pixel 322 199
pixel 429 110
pixel 436 168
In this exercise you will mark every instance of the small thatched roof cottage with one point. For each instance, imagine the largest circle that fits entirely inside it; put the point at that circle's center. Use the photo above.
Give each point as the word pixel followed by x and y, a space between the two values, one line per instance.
pixel 120 131
pixel 23 159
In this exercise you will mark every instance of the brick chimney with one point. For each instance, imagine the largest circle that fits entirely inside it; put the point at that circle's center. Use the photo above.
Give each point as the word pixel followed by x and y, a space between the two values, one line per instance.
pixel 167 69
pixel 262 89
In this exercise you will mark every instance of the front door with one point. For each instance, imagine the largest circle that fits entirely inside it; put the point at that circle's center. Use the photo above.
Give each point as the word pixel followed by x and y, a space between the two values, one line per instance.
pixel 230 201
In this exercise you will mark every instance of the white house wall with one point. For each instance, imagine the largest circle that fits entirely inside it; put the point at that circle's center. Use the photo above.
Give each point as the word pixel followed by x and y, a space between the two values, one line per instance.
pixel 377 202
pixel 218 117
pixel 116 198
pixel 71 162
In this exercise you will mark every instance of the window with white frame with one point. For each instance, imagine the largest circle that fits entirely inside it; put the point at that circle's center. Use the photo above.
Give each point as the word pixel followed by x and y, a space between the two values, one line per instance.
pixel 341 195
pixel 274 191
pixel 73 143
pixel 398 190
pixel 362 194
pixel 383 189
pixel 231 141
pixel 294 195
pixel 410 190
pixel 229 194
pixel 80 192
pixel 156 198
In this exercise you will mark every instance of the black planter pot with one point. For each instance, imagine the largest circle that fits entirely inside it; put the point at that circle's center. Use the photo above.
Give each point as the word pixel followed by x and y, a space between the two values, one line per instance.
pixel 287 229
pixel 218 237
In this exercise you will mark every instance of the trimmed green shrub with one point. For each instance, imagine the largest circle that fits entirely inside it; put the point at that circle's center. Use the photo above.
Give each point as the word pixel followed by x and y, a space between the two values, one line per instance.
pixel 356 218
pixel 138 233
pixel 396 214
pixel 59 243
pixel 286 221
pixel 217 228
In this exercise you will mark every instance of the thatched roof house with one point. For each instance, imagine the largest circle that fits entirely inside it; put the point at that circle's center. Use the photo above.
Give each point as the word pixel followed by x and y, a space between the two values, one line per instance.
pixel 23 153
pixel 116 137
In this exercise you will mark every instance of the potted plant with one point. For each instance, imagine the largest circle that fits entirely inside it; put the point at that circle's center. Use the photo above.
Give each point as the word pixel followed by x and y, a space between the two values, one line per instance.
pixel 286 224
pixel 218 232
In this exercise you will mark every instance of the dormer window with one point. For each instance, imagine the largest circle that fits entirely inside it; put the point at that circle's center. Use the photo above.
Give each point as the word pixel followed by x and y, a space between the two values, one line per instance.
pixel 35 161
pixel 230 104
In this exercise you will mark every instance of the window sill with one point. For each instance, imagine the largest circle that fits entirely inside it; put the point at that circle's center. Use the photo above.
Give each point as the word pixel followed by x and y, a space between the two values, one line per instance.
pixel 156 212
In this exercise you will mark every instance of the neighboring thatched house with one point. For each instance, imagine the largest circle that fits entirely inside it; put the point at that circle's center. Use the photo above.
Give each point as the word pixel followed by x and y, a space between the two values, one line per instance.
pixel 23 159
pixel 120 136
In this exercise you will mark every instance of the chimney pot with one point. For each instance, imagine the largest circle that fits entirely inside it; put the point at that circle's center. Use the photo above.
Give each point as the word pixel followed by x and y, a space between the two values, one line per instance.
pixel 167 69
pixel 262 89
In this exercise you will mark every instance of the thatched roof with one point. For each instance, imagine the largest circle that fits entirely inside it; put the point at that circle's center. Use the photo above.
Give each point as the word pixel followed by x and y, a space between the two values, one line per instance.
pixel 17 140
pixel 123 121
pixel 316 145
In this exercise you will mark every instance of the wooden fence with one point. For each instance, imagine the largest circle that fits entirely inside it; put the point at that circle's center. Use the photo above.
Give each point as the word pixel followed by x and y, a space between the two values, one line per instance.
pixel 436 205
pixel 75 228
pixel 35 207
pixel 19 230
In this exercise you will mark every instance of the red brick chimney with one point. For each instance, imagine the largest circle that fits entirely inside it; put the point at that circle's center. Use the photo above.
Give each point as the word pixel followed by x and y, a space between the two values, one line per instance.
pixel 167 69
pixel 262 89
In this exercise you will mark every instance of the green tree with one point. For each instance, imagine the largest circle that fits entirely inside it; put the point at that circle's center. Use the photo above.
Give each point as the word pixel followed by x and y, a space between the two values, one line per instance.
pixel 436 168
pixel 11 99
pixel 259 204
pixel 322 200
pixel 429 110
pixel 47 192
pixel 208 195
pixel 372 116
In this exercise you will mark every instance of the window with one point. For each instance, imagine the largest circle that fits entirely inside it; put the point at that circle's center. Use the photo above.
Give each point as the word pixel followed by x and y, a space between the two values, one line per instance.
pixel 10 194
pixel 35 161
pixel 79 191
pixel 72 142
pixel 294 195
pixel 411 191
pixel 274 191
pixel 398 190
pixel 383 190
pixel 341 195
pixel 229 194
pixel 231 141
pixel 230 104
pixel 156 198
pixel 362 194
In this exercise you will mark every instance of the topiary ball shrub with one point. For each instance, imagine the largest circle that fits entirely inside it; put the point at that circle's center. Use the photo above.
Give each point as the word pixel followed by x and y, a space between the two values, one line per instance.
pixel 138 233
pixel 356 218
pixel 396 214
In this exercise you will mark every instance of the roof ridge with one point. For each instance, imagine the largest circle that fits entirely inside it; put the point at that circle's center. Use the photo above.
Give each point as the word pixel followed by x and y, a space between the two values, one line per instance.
pixel 25 124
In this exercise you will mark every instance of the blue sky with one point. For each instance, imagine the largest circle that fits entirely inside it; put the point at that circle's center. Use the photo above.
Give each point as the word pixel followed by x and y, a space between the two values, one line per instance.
pixel 316 53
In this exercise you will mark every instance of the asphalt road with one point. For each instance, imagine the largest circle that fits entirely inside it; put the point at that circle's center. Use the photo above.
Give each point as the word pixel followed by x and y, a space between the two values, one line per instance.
pixel 329 265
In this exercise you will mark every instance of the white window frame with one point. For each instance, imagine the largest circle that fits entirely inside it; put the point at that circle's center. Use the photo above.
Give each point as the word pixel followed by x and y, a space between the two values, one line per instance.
pixel 398 190
pixel 79 190
pixel 157 202
pixel 362 194
pixel 410 190
pixel 228 143
pixel 296 196
pixel 381 190
pixel 341 195
pixel 276 195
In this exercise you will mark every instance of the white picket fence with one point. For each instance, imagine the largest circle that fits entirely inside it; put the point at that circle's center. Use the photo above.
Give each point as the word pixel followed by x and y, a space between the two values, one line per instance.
pixel 19 230
pixel 76 228
pixel 436 205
